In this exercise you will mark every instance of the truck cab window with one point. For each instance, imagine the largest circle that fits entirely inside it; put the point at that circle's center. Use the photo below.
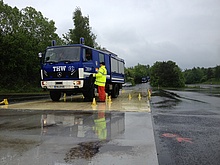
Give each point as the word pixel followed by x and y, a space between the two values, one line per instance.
pixel 87 54
pixel 101 57
pixel 61 54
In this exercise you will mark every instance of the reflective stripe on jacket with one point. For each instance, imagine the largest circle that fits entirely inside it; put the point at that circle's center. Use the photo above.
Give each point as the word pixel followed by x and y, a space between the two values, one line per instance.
pixel 101 76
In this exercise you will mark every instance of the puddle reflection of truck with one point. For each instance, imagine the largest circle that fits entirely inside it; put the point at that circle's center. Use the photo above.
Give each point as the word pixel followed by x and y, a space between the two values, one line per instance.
pixel 82 126
pixel 68 69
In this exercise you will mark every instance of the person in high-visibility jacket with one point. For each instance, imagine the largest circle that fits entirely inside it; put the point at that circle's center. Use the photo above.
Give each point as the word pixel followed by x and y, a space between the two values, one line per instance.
pixel 100 81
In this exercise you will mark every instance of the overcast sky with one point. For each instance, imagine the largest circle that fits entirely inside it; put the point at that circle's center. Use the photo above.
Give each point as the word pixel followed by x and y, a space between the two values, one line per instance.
pixel 144 31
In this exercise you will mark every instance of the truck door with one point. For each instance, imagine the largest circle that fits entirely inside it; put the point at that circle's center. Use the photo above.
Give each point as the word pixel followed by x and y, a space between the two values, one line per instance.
pixel 88 62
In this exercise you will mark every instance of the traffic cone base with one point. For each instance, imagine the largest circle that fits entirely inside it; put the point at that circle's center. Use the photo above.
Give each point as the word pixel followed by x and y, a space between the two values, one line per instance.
pixel 139 96
pixel 94 102
pixel 109 99
pixel 4 102
pixel 129 96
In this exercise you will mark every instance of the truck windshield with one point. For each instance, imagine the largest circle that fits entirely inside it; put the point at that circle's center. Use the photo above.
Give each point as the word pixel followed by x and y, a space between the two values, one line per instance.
pixel 62 54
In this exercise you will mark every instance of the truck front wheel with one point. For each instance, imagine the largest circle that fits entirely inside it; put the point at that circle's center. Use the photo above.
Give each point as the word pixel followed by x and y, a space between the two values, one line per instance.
pixel 55 96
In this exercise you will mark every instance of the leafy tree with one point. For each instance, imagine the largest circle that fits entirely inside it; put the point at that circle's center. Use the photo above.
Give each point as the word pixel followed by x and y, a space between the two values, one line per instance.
pixel 135 74
pixel 129 75
pixel 196 75
pixel 210 73
pixel 166 74
pixel 217 72
pixel 23 35
pixel 140 72
pixel 199 75
pixel 82 29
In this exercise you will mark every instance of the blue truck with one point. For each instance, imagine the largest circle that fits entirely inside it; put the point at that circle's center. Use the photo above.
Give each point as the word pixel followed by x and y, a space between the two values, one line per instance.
pixel 69 68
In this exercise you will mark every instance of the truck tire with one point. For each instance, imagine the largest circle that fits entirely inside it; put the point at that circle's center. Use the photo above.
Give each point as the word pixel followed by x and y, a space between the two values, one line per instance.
pixel 115 91
pixel 55 96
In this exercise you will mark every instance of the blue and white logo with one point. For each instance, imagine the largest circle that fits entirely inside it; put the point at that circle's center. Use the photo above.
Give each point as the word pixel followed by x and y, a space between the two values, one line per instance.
pixel 87 69
pixel 71 68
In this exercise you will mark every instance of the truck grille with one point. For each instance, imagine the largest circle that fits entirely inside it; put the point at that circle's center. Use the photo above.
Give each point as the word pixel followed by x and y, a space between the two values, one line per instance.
pixel 62 75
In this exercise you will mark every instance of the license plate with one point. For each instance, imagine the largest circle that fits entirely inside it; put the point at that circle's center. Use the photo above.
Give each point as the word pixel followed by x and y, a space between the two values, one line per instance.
pixel 59 86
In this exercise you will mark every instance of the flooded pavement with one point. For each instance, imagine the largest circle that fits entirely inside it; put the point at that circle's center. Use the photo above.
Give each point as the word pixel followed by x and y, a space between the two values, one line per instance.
pixel 75 138
pixel 176 127
pixel 186 126
pixel 74 132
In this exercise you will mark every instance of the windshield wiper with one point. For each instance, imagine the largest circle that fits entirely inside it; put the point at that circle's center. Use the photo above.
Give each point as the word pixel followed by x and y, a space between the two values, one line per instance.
pixel 51 61
pixel 66 61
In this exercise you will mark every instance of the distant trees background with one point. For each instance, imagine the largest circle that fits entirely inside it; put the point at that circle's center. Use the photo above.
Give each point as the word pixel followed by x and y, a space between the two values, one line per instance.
pixel 135 74
pixel 168 74
pixel 202 75
pixel 24 33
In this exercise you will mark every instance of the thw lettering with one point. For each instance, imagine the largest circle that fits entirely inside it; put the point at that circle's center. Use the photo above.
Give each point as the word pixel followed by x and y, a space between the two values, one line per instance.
pixel 59 68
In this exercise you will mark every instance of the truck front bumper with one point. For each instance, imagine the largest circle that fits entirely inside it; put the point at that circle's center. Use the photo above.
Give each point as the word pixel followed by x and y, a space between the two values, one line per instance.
pixel 73 84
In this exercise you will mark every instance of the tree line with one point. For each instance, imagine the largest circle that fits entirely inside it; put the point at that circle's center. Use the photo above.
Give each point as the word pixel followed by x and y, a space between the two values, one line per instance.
pixel 165 74
pixel 202 75
pixel 26 32
pixel 168 74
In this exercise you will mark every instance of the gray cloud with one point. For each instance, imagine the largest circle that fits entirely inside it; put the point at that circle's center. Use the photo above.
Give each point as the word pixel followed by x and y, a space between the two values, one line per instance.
pixel 145 31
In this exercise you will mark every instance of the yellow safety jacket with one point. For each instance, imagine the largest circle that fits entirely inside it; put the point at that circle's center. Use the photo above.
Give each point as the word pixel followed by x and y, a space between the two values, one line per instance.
pixel 100 128
pixel 100 76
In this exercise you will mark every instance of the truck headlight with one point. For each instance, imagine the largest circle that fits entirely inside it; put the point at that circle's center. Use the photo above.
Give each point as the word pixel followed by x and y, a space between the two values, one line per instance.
pixel 76 82
pixel 43 83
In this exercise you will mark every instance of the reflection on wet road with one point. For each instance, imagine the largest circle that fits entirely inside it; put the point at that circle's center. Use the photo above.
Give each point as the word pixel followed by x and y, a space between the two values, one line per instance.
pixel 53 137
pixel 186 129
pixel 64 134
pixel 187 126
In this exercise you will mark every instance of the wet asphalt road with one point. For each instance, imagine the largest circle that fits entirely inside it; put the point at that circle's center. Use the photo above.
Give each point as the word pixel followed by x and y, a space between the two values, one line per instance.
pixel 66 137
pixel 186 131
pixel 187 126
pixel 73 138
pixel 18 98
